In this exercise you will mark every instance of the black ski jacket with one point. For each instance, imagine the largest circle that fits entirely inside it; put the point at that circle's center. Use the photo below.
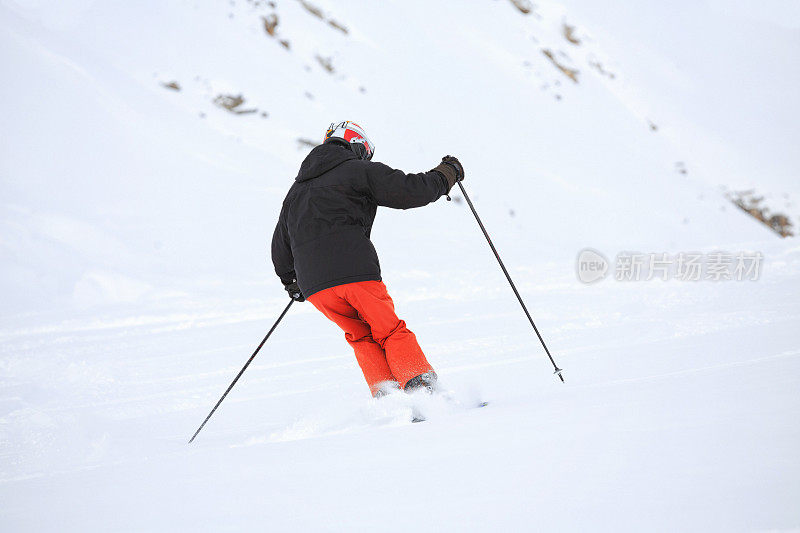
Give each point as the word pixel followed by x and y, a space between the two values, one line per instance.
pixel 322 235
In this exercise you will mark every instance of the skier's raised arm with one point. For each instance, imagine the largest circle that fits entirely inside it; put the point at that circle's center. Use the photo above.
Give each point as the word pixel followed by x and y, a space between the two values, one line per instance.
pixel 396 189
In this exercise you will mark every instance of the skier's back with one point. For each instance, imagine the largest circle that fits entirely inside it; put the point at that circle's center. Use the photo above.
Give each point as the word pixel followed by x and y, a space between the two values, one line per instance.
pixel 322 252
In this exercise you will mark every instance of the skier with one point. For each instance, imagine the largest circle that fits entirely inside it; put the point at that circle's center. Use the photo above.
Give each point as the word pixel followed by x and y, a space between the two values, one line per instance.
pixel 322 252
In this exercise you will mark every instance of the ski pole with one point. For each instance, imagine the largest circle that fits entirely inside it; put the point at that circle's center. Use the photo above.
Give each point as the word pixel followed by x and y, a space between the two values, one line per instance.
pixel 275 325
pixel 508 277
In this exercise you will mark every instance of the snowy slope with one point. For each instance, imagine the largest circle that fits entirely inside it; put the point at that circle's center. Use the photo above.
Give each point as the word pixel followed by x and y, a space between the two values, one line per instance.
pixel 134 228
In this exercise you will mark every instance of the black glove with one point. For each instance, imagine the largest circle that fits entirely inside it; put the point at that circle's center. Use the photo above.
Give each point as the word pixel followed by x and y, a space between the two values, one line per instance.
pixel 294 291
pixel 451 169
pixel 456 164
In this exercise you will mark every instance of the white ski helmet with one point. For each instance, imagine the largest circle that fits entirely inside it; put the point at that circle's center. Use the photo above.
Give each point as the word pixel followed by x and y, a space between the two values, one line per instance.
pixel 352 134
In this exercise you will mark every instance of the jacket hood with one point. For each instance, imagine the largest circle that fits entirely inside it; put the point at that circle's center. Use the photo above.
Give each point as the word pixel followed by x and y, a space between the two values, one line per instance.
pixel 323 158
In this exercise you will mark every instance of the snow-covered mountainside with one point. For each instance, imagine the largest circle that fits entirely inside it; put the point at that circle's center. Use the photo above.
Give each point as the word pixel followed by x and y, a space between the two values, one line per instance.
pixel 147 147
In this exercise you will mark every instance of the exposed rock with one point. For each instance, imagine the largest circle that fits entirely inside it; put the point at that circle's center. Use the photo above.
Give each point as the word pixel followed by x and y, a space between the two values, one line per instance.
pixel 173 85
pixel 270 23
pixel 571 73
pixel 311 8
pixel 326 63
pixel 748 202
pixel 333 24
pixel 233 104
pixel 595 64
pixel 569 34
pixel 317 12
pixel 524 6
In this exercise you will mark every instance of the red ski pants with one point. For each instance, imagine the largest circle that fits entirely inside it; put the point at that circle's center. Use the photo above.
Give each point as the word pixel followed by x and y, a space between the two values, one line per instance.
pixel 386 350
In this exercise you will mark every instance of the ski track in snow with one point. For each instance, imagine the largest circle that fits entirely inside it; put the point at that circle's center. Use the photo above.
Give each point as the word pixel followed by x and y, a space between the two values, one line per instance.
pixel 135 278
pixel 619 372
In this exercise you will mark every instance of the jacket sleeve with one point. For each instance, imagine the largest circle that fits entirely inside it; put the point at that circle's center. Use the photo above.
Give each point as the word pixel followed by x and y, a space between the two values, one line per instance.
pixel 282 257
pixel 394 188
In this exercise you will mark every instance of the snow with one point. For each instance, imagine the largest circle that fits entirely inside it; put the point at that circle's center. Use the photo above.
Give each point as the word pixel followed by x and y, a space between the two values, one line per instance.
pixel 134 234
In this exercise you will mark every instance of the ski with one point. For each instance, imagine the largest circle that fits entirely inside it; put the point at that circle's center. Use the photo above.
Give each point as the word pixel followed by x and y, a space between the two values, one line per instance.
pixel 417 417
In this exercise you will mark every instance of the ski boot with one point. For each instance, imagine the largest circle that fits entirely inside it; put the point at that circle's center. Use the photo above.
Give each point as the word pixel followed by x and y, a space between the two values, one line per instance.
pixel 385 388
pixel 426 382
